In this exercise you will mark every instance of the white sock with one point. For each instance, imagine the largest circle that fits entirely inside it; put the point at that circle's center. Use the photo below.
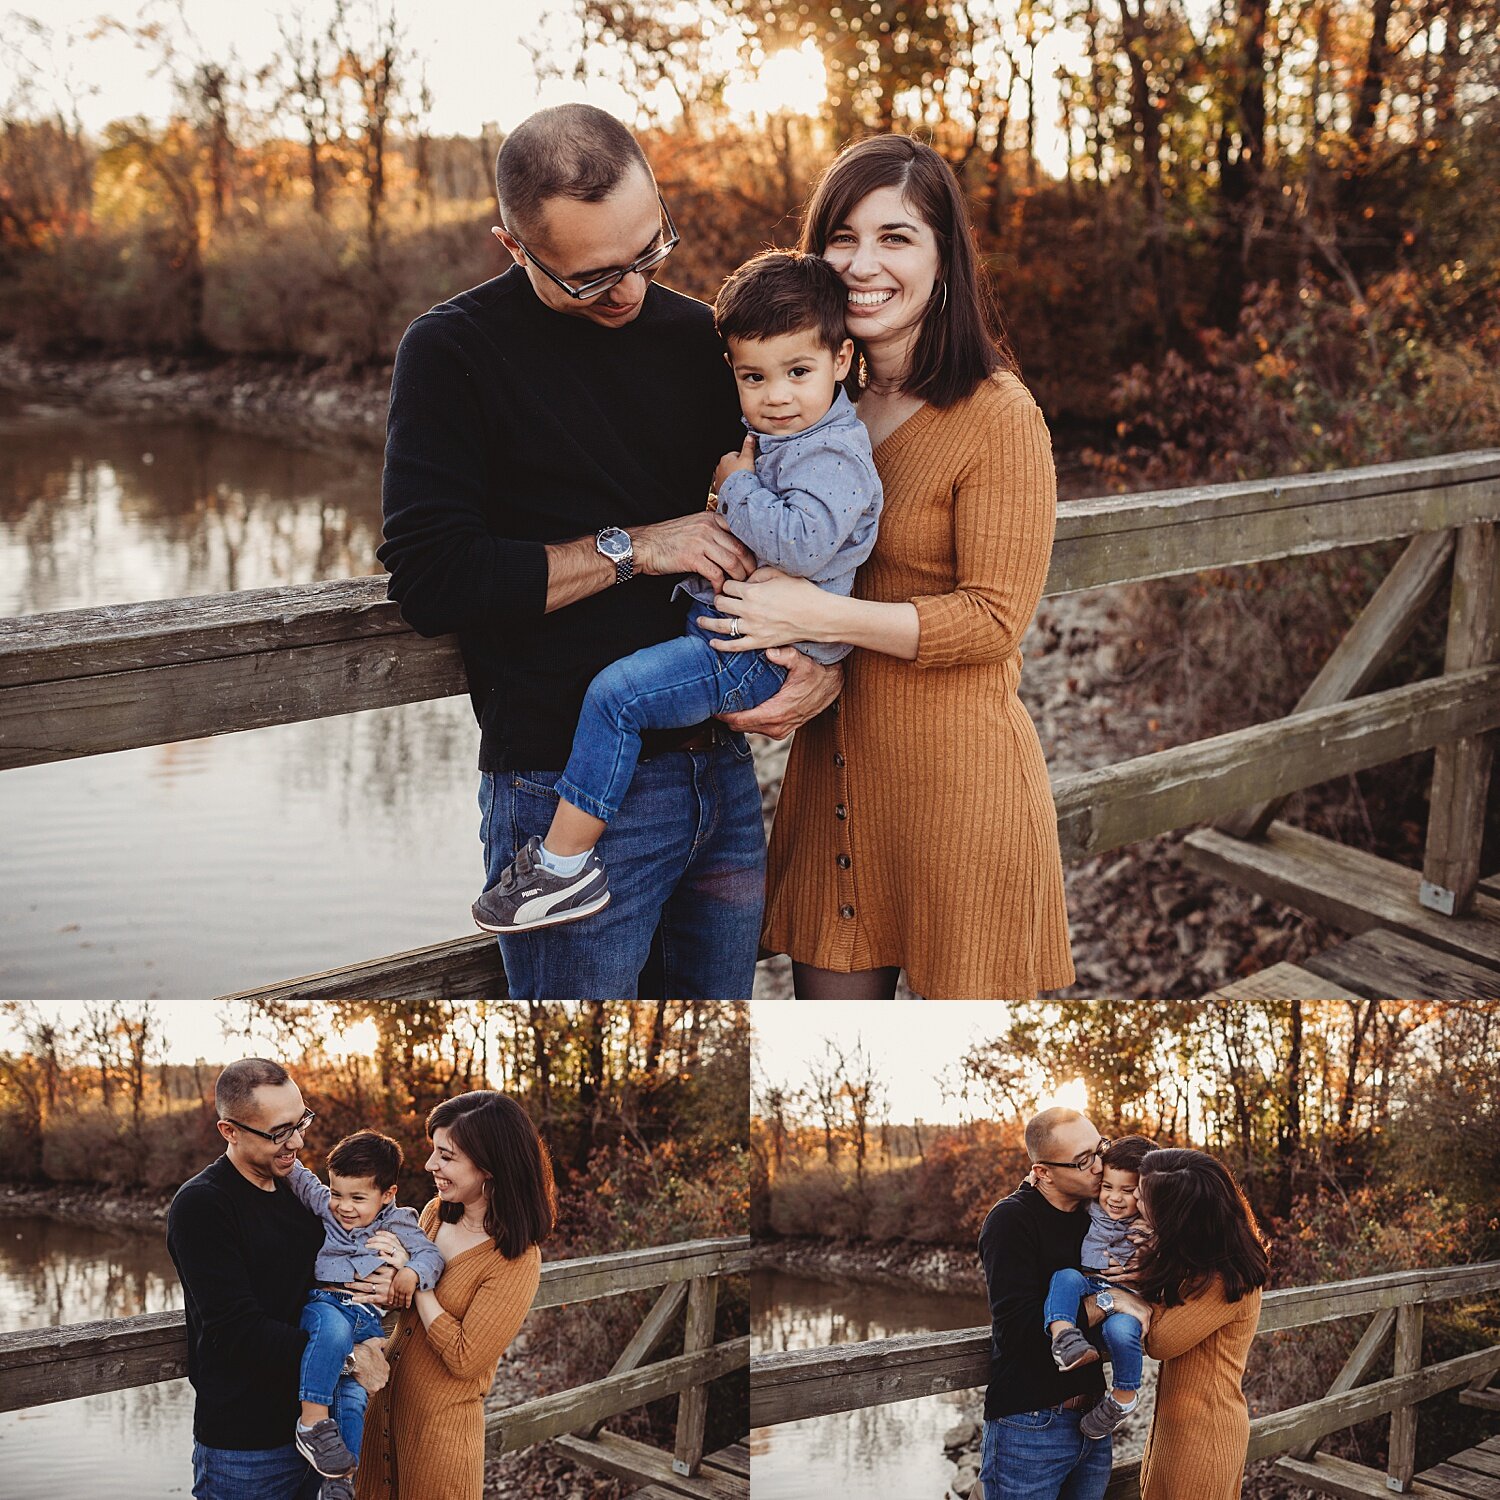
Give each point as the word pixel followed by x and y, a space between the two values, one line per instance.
pixel 562 864
pixel 1128 1405
pixel 301 1428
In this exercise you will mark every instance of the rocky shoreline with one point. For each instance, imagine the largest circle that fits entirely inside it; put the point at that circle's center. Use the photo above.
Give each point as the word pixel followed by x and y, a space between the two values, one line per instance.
pixel 933 1268
pixel 100 1208
pixel 302 401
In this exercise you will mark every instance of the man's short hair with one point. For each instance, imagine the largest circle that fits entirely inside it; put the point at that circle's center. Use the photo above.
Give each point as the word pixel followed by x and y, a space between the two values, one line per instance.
pixel 783 291
pixel 234 1090
pixel 570 151
pixel 367 1153
pixel 1041 1130
pixel 1125 1154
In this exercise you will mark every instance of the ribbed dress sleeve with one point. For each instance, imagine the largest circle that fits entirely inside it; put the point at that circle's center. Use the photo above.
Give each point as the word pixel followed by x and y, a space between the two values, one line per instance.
pixel 1004 515
pixel 470 1348
pixel 1175 1330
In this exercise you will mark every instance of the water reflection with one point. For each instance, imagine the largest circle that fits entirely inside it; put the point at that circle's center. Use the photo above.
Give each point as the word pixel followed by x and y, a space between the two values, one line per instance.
pixel 200 868
pixel 895 1449
pixel 132 1445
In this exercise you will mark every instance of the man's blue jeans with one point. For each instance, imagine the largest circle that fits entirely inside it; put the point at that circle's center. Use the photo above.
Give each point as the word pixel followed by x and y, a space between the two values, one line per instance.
pixel 673 685
pixel 1041 1455
pixel 252 1474
pixel 1122 1333
pixel 686 856
pixel 334 1326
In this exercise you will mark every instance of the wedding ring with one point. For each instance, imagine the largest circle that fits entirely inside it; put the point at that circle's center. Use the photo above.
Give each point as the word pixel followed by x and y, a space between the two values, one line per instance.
pixel 734 628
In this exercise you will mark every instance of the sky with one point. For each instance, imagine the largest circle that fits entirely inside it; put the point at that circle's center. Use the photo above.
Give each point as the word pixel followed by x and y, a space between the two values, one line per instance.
pixel 914 1043
pixel 479 68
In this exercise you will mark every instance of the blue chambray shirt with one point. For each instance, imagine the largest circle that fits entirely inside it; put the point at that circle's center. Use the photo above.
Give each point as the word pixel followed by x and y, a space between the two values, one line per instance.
pixel 811 508
pixel 344 1256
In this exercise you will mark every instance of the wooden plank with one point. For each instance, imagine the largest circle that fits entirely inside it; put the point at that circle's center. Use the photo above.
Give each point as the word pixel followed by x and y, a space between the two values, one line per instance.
pixel 735 1459
pixel 1131 538
pixel 1282 981
pixel 592 1276
pixel 640 1463
pixel 1450 1479
pixel 565 1411
pixel 645 1341
pixel 1382 965
pixel 1345 887
pixel 1485 1400
pixel 1124 1482
pixel 1120 804
pixel 1363 1355
pixel 1383 627
pixel 692 1404
pixel 1338 1476
pixel 1490 886
pixel 1479 1461
pixel 1461 770
pixel 466 968
pixel 83 682
pixel 1402 1450
pixel 42 1365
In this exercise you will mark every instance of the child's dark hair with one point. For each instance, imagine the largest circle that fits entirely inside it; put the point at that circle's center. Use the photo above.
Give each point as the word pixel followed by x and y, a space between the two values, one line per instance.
pixel 783 291
pixel 367 1154
pixel 1126 1153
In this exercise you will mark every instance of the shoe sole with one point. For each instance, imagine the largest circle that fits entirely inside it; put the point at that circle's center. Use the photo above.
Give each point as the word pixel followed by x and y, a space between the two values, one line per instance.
pixel 1092 1357
pixel 313 1462
pixel 552 919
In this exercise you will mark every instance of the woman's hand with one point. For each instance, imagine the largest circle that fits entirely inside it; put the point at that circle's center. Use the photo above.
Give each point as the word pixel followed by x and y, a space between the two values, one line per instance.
pixel 374 1288
pixel 389 1248
pixel 773 609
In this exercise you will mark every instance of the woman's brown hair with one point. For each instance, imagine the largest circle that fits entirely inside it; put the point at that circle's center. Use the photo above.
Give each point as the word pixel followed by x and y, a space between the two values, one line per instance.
pixel 497 1135
pixel 962 340
pixel 1201 1227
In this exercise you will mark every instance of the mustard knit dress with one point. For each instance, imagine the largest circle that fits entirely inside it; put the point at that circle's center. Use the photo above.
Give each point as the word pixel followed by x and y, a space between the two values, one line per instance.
pixel 1201 1427
pixel 424 1433
pixel 916 825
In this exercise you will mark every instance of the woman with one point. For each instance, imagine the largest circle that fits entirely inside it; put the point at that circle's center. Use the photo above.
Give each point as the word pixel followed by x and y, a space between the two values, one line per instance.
pixel 424 1435
pixel 1200 1281
pixel 916 828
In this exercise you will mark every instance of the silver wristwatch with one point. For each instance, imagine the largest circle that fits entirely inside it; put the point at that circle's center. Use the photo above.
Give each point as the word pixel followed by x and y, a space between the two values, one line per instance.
pixel 1105 1300
pixel 615 544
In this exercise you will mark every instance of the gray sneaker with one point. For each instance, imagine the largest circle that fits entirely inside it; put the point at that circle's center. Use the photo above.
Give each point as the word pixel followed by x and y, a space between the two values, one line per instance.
pixel 1070 1349
pixel 324 1449
pixel 1101 1420
pixel 341 1488
pixel 527 896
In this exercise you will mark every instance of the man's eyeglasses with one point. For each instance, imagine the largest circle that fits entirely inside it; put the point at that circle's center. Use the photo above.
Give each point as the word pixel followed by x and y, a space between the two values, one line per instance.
pixel 1081 1162
pixel 644 265
pixel 282 1133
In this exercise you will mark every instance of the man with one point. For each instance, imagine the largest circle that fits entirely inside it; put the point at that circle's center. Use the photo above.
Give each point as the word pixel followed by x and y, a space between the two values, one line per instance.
pixel 244 1249
pixel 1032 1446
pixel 551 438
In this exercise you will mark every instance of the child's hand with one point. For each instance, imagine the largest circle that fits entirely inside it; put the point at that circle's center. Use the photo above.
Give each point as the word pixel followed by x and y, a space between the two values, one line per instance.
pixel 736 463
pixel 403 1288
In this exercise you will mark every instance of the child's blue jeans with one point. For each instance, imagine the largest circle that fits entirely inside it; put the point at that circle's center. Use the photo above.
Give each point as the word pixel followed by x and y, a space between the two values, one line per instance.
pixel 674 685
pixel 1122 1333
pixel 334 1326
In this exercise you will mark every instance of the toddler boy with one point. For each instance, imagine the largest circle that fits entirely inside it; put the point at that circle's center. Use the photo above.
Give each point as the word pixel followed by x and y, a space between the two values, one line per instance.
pixel 808 504
pixel 359 1200
pixel 1114 1234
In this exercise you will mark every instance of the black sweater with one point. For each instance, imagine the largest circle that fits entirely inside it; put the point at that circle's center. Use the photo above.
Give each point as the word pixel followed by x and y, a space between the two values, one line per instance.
pixel 1024 1240
pixel 245 1260
pixel 512 426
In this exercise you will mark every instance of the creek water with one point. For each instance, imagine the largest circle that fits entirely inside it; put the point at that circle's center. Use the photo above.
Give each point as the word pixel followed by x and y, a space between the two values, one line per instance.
pixel 129 1445
pixel 895 1450
pixel 216 865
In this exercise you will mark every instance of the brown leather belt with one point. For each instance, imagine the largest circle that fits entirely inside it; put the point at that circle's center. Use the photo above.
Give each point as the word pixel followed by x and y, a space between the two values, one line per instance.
pixel 705 736
pixel 1073 1403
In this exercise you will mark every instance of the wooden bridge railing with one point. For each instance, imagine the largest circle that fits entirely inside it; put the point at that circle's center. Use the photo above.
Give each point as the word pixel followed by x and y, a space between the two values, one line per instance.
pixel 84 682
pixel 788 1387
pixel 42 1365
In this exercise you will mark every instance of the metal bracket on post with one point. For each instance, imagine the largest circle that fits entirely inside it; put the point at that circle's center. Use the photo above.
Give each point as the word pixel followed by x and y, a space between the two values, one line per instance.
pixel 1437 898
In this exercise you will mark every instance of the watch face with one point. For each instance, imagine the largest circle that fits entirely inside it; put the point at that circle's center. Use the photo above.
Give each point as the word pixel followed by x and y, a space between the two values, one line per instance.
pixel 613 542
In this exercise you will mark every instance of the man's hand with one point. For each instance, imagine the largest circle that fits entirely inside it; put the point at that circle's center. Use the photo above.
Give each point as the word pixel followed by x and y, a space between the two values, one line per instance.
pixel 699 543
pixel 742 462
pixel 1125 1302
pixel 370 1367
pixel 403 1287
pixel 809 688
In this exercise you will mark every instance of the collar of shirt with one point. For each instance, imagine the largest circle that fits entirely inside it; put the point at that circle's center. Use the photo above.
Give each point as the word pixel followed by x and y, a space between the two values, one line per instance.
pixel 840 412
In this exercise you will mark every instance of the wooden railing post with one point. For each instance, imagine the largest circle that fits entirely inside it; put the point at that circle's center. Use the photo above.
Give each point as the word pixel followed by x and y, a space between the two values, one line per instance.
pixel 1402 1462
pixel 1461 769
pixel 692 1404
